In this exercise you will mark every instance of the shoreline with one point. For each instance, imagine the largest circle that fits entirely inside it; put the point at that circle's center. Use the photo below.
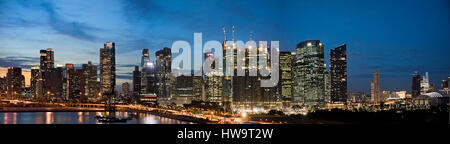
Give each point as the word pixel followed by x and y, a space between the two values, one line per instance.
pixel 75 109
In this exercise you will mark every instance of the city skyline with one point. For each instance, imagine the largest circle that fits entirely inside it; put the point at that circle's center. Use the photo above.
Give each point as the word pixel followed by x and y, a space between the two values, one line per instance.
pixel 72 32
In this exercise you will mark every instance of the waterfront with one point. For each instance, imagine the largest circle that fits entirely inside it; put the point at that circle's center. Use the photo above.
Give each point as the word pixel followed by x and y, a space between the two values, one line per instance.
pixel 78 118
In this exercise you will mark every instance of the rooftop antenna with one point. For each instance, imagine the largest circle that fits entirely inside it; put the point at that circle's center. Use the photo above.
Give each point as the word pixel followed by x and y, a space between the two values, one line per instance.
pixel 224 33
pixel 250 38
pixel 233 32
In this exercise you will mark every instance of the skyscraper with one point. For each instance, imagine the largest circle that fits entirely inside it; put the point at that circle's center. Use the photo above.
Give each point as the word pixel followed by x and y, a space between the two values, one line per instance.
pixel 136 84
pixel 424 84
pixel 3 85
pixel 309 72
pixel 213 82
pixel 47 59
pixel 125 90
pixel 108 69
pixel 163 73
pixel 375 88
pixel 34 80
pixel 14 82
pixel 148 79
pixel 286 75
pixel 338 73
pixel 415 90
pixel 91 89
pixel 53 84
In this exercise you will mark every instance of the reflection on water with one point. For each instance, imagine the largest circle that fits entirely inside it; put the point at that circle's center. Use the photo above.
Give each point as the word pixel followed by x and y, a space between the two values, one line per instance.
pixel 79 118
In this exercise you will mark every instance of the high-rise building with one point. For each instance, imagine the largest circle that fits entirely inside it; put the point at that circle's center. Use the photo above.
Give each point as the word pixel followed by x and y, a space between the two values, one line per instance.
pixel 424 84
pixel 415 90
pixel 213 81
pixel 163 74
pixel 53 84
pixel 338 73
pixel 286 75
pixel 198 88
pixel 136 84
pixel 327 83
pixel 309 72
pixel 108 70
pixel 148 79
pixel 14 82
pixel 125 90
pixel 68 83
pixel 445 88
pixel 375 88
pixel 34 80
pixel 91 88
pixel 47 59
pixel 183 89
pixel 3 85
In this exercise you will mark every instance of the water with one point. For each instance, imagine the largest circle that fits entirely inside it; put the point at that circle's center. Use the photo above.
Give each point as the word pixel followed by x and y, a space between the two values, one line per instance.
pixel 78 118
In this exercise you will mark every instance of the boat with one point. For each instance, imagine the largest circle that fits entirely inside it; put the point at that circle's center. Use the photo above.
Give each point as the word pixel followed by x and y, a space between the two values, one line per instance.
pixel 111 119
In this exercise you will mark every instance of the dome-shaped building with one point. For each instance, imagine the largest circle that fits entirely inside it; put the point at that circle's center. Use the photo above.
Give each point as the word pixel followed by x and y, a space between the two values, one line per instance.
pixel 432 98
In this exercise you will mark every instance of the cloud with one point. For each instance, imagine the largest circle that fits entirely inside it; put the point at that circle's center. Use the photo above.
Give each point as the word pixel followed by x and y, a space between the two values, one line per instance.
pixel 18 61
pixel 70 28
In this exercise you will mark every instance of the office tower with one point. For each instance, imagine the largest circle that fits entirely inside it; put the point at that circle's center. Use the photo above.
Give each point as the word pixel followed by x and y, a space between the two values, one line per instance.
pixel 47 59
pixel 327 84
pixel 163 73
pixel 77 85
pixel 74 85
pixel 375 88
pixel 108 70
pixel 35 76
pixel 183 89
pixel 424 84
pixel 445 88
pixel 415 90
pixel 213 81
pixel 68 84
pixel 445 83
pixel 198 87
pixel 338 73
pixel 91 89
pixel 14 79
pixel 309 72
pixel 286 75
pixel 3 85
pixel 53 84
pixel 136 83
pixel 125 90
pixel 148 79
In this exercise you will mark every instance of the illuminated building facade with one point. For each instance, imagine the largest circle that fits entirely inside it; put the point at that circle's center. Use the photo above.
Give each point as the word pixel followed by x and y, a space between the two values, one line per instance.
pixel 424 84
pixel 108 69
pixel 3 85
pixel 286 75
pixel 375 88
pixel 91 86
pixel 213 81
pixel 148 79
pixel 47 59
pixel 136 83
pixel 15 83
pixel 163 75
pixel 34 80
pixel 338 73
pixel 309 73
pixel 125 90
pixel 415 90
